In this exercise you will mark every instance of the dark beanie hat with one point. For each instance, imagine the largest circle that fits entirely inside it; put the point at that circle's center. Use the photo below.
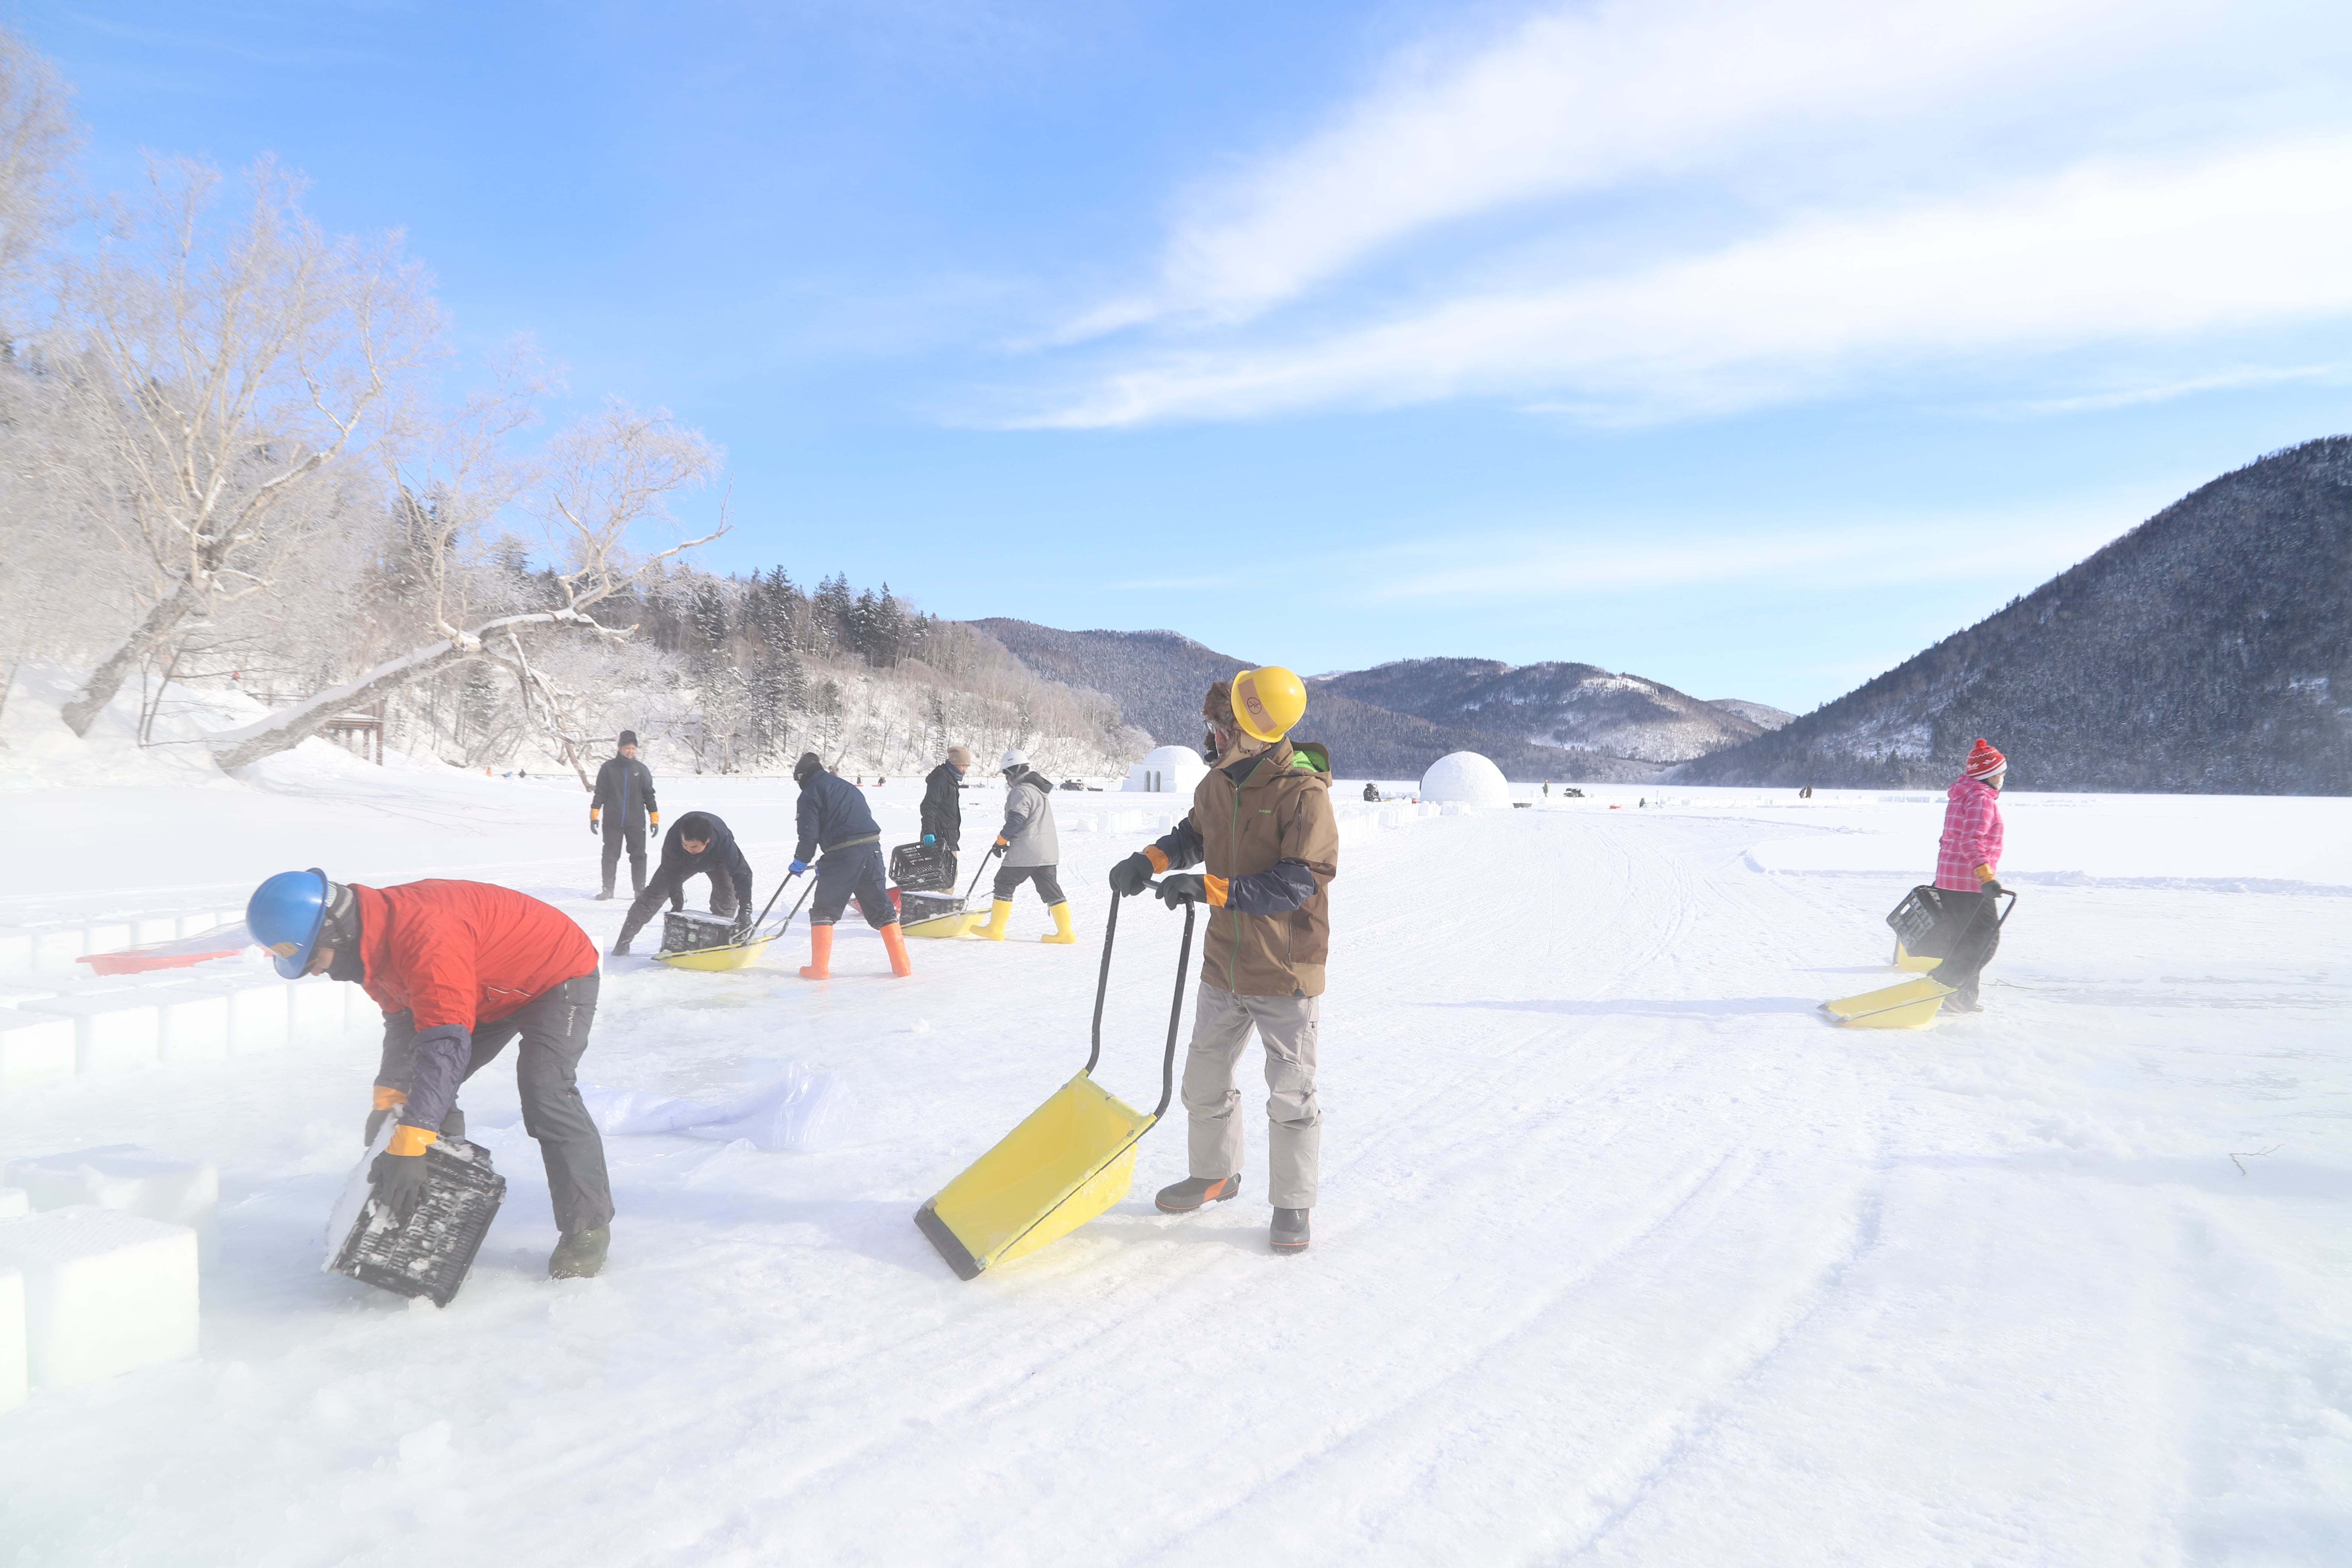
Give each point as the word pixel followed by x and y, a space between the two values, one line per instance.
pixel 810 763
pixel 628 737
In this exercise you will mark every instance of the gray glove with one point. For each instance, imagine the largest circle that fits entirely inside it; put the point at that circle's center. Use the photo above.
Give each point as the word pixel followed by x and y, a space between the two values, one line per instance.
pixel 1127 878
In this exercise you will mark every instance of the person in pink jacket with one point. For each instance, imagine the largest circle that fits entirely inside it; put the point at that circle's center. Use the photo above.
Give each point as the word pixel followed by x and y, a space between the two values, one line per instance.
pixel 1968 863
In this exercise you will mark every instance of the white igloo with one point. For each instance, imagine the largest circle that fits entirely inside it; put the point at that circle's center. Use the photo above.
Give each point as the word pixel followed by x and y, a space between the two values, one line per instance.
pixel 1467 778
pixel 1167 770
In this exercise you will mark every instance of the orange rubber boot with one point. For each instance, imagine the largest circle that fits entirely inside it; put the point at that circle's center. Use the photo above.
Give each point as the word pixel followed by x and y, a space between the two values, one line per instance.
pixel 901 965
pixel 820 964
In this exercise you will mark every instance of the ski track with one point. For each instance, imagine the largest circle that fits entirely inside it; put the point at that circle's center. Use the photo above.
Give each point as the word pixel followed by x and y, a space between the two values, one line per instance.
pixel 1623 1256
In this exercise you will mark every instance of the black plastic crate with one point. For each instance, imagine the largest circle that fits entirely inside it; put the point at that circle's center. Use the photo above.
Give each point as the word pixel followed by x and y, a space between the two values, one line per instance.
pixel 920 867
pixel 430 1254
pixel 684 932
pixel 1917 921
pixel 915 907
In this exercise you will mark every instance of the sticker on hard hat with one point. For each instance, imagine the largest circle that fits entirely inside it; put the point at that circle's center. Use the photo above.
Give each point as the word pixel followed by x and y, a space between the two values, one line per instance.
pixel 1257 709
pixel 286 949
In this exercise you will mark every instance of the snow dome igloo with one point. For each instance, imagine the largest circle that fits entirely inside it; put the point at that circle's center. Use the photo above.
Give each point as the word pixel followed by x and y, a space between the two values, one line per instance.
pixel 1167 770
pixel 1465 778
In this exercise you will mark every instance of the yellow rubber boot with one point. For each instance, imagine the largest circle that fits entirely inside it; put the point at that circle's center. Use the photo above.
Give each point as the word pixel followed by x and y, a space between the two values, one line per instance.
pixel 999 913
pixel 1061 935
pixel 820 964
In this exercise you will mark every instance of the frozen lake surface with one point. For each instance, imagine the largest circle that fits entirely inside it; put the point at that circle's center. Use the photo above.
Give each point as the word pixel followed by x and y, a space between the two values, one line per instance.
pixel 1623 1255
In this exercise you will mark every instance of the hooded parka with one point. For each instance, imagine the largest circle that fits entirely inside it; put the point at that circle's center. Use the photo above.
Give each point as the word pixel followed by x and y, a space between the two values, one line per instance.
pixel 1261 828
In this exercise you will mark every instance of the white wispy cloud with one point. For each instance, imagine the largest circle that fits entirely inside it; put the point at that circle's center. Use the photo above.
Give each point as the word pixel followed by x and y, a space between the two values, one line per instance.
pixel 1583 98
pixel 1648 208
pixel 2101 254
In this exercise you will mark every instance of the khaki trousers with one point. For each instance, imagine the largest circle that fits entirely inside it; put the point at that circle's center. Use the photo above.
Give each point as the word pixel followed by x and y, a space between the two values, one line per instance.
pixel 1220 1029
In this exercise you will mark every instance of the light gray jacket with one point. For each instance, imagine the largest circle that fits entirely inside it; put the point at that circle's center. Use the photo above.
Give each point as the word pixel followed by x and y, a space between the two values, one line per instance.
pixel 1029 821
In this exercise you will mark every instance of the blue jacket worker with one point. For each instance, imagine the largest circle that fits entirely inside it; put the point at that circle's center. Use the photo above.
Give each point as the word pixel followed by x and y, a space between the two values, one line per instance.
pixel 835 822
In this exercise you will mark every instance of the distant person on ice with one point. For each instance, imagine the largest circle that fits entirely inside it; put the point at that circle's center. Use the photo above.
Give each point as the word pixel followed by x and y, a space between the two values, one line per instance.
pixel 1261 828
pixel 698 845
pixel 1033 850
pixel 459 969
pixel 943 800
pixel 1967 861
pixel 624 786
pixel 834 819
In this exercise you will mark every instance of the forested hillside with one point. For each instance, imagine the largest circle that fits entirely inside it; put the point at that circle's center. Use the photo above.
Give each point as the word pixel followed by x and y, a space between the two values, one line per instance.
pixel 1159 678
pixel 2209 649
pixel 1552 704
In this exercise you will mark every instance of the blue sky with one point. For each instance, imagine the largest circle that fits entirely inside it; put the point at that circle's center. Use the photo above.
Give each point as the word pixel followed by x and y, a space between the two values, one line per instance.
pixel 1750 347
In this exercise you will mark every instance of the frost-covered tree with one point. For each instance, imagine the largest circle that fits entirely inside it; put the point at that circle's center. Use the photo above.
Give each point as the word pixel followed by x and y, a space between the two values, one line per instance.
pixel 601 483
pixel 219 373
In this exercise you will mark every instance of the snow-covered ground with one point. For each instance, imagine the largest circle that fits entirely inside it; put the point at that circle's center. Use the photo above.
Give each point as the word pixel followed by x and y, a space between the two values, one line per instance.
pixel 1623 1255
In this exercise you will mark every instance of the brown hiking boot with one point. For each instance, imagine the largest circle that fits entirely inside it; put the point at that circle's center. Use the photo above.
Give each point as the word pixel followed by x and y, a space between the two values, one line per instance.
pixel 1197 1192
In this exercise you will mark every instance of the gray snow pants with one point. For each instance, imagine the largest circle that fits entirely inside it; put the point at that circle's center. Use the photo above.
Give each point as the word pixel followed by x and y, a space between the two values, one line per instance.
pixel 553 1028
pixel 1220 1029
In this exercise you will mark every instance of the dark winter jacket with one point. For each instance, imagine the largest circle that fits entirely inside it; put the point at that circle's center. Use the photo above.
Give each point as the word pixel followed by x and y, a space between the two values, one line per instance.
pixel 455 956
pixel 833 813
pixel 719 858
pixel 943 805
pixel 1263 831
pixel 624 786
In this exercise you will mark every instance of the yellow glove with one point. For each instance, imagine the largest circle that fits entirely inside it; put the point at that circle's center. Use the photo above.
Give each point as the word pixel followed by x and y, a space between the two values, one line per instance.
pixel 387 1102
pixel 594 812
pixel 654 817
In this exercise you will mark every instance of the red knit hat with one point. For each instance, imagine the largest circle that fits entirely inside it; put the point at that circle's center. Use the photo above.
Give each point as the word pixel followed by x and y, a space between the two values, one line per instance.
pixel 1984 761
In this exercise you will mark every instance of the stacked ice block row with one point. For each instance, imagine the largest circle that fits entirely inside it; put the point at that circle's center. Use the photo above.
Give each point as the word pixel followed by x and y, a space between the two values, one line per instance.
pixel 100 1250
pixel 59 1020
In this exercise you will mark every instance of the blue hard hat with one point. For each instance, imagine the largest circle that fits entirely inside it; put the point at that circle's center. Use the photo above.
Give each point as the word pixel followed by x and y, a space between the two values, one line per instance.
pixel 284 915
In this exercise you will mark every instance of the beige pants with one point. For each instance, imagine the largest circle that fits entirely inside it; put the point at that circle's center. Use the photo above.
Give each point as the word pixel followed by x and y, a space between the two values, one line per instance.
pixel 1220 1029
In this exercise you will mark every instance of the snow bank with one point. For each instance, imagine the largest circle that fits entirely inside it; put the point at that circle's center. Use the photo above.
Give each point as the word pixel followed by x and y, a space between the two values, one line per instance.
pixel 801 1109
pixel 1466 778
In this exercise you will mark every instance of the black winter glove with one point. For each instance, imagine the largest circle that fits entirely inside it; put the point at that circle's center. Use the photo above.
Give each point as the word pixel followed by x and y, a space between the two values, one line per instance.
pixel 742 925
pixel 1181 887
pixel 399 1183
pixel 1994 887
pixel 376 1123
pixel 1128 876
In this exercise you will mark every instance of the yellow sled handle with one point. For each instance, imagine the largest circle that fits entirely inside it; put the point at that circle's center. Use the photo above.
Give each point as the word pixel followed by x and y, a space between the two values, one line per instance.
pixel 1175 1007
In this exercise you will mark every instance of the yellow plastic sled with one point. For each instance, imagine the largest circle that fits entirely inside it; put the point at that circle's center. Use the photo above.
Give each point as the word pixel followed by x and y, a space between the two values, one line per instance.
pixel 962 917
pixel 739 955
pixel 1909 1006
pixel 1069 1160
pixel 1905 959
pixel 734 956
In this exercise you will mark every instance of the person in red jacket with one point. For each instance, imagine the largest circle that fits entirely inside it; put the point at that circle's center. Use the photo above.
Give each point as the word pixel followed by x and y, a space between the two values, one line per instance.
pixel 1968 862
pixel 460 969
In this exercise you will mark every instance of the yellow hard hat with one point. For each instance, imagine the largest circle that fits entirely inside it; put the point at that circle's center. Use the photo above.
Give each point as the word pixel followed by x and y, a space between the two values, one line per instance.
pixel 1267 702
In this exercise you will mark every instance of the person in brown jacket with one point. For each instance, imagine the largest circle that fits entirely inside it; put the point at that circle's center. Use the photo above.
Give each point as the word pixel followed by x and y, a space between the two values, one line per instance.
pixel 1261 826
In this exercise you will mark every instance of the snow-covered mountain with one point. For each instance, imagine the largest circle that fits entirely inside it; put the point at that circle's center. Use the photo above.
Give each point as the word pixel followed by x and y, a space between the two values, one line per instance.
pixel 1762 715
pixel 1554 704
pixel 2209 649
pixel 1158 677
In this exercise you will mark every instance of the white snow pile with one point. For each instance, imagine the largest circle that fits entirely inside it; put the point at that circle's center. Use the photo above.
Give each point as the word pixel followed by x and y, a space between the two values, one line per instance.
pixel 800 1110
pixel 1466 778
